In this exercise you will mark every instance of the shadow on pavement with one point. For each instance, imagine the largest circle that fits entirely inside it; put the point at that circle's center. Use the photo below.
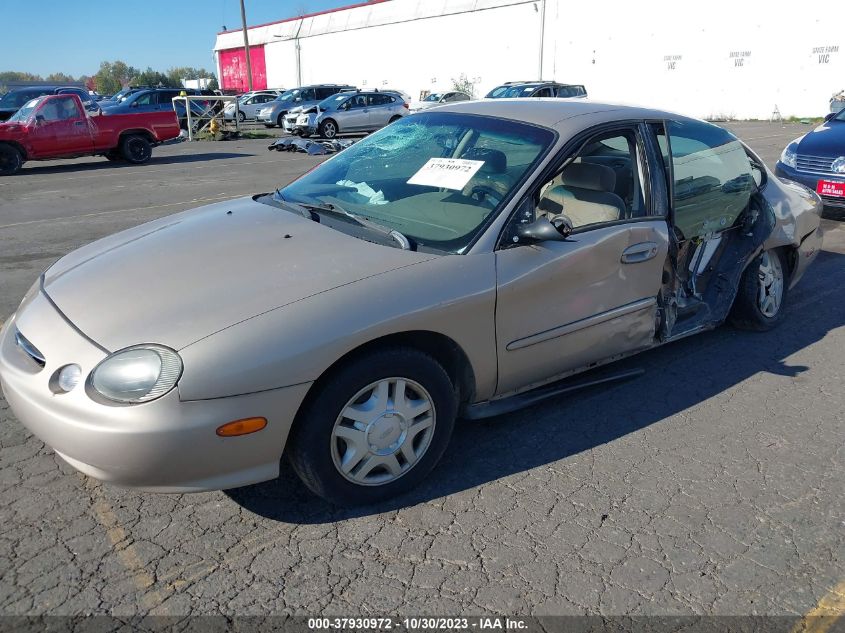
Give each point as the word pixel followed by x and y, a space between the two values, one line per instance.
pixel 678 376
pixel 100 163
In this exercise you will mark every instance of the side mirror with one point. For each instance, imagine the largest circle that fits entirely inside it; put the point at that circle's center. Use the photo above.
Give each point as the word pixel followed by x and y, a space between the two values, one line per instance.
pixel 541 230
pixel 39 119
pixel 829 116
pixel 134 104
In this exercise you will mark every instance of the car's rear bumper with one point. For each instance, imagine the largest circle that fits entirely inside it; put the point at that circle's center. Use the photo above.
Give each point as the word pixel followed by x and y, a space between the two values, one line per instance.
pixel 811 181
pixel 166 445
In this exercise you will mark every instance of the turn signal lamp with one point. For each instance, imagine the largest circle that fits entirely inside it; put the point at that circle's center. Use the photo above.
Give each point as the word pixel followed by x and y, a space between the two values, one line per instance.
pixel 241 427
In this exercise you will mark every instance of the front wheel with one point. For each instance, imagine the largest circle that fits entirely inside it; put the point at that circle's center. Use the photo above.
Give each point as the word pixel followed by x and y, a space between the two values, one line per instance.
pixel 328 129
pixel 761 297
pixel 136 149
pixel 376 429
pixel 241 116
pixel 10 160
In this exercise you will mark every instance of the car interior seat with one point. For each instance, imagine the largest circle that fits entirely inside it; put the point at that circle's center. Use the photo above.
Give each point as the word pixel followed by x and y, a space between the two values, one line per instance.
pixel 584 192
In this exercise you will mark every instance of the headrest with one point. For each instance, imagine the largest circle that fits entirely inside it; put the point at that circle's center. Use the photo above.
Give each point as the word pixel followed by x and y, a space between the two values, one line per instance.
pixel 589 176
pixel 495 160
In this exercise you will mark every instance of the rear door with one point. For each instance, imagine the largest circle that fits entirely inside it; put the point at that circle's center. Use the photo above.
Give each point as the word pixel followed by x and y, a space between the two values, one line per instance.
pixel 380 110
pixel 562 306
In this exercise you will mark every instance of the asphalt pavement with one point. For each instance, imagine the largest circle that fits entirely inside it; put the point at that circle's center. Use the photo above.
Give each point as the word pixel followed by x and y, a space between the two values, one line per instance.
pixel 713 484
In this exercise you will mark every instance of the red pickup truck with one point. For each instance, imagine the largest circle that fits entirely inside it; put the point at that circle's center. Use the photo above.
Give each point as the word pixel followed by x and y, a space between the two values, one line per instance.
pixel 57 126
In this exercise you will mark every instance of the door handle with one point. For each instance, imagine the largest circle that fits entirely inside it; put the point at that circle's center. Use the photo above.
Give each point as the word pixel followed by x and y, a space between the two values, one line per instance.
pixel 639 252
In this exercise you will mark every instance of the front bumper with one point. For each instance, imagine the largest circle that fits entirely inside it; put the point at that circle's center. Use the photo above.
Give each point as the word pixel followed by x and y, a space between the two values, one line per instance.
pixel 811 181
pixel 166 445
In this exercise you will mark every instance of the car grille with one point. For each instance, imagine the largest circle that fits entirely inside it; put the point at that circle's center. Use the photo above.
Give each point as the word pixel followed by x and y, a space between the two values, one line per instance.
pixel 830 201
pixel 815 164
pixel 29 349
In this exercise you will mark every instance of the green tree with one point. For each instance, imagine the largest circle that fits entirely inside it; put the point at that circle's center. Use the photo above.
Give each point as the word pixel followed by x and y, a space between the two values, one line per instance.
pixel 463 84
pixel 112 76
pixel 12 75
pixel 150 77
pixel 60 78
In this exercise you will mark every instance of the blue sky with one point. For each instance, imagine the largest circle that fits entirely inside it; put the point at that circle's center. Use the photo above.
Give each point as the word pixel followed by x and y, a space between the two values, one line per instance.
pixel 73 37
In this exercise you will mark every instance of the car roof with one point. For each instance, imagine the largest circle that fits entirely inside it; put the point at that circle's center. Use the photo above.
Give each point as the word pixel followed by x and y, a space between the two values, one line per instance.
pixel 557 113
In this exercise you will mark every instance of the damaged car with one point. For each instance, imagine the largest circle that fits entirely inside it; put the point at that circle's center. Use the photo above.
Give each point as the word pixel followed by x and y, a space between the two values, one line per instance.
pixel 462 262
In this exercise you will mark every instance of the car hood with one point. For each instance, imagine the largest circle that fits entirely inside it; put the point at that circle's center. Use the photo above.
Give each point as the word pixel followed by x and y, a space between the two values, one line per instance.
pixel 181 278
pixel 826 140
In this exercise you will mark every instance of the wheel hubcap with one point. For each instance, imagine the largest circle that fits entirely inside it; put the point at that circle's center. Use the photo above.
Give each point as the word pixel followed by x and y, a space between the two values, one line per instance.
pixel 770 285
pixel 383 431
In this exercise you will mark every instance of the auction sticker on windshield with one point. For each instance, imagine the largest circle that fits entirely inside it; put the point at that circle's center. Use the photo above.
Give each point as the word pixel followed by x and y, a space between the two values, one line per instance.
pixel 449 173
pixel 831 188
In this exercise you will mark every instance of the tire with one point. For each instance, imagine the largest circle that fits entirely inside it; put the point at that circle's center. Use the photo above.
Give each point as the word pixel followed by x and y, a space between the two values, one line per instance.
pixel 241 116
pixel 10 160
pixel 269 125
pixel 318 450
pixel 394 119
pixel 280 120
pixel 761 298
pixel 135 149
pixel 328 129
pixel 114 157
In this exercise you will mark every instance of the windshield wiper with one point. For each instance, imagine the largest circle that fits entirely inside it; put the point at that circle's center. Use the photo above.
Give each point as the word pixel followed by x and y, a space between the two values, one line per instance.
pixel 328 207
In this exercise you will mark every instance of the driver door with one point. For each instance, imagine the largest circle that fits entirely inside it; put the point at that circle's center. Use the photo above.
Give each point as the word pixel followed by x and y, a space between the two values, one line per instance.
pixel 564 305
pixel 357 117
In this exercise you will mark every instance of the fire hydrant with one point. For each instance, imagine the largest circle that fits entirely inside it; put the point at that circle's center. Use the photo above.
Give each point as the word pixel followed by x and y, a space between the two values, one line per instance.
pixel 214 126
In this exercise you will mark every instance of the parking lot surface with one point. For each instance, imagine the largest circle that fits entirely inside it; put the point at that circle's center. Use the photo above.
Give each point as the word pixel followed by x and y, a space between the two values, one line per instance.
pixel 710 485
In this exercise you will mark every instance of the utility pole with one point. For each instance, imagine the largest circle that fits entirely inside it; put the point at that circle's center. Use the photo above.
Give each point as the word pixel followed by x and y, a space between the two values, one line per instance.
pixel 246 48
pixel 542 36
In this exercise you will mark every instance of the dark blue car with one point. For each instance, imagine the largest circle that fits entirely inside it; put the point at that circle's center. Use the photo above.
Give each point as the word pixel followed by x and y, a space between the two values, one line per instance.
pixel 817 160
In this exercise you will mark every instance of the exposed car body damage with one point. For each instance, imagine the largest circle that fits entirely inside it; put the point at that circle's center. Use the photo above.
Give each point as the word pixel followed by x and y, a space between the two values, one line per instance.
pixel 459 261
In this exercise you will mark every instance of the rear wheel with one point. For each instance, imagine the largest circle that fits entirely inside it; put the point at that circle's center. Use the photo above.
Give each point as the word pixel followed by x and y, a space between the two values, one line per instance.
pixel 394 118
pixel 10 160
pixel 761 297
pixel 280 120
pixel 328 129
pixel 376 429
pixel 241 116
pixel 136 149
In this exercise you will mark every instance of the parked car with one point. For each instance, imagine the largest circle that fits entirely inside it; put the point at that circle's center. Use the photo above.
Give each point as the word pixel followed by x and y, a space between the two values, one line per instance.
pixel 57 126
pixel 248 106
pixel 14 99
pixel 518 89
pixel 352 112
pixel 273 113
pixel 155 100
pixel 817 160
pixel 438 98
pixel 446 265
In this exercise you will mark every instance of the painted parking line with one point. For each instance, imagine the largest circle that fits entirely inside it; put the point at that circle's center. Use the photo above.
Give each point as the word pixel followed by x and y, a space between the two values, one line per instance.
pixel 829 610
pixel 219 198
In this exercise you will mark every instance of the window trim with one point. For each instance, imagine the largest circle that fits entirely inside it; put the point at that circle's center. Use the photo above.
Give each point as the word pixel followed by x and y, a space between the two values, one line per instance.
pixel 568 152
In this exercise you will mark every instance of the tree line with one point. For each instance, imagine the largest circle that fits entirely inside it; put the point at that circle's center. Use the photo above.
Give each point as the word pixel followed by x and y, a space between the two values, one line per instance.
pixel 112 76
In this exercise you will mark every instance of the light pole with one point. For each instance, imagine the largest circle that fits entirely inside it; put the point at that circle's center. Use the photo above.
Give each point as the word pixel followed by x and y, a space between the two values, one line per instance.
pixel 542 36
pixel 246 48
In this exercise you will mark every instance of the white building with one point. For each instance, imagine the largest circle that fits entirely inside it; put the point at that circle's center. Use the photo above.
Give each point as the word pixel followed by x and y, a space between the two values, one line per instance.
pixel 723 59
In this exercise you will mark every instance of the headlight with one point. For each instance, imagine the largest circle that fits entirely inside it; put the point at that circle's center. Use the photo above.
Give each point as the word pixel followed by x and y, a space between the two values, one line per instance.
pixel 137 374
pixel 789 152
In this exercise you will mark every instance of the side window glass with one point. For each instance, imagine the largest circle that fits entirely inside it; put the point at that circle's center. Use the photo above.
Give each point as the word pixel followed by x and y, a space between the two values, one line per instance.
pixel 604 182
pixel 146 99
pixel 712 177
pixel 543 92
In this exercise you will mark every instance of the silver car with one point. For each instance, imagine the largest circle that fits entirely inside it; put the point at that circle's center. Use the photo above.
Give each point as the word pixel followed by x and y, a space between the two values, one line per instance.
pixel 439 98
pixel 273 114
pixel 354 112
pixel 248 106
pixel 459 262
